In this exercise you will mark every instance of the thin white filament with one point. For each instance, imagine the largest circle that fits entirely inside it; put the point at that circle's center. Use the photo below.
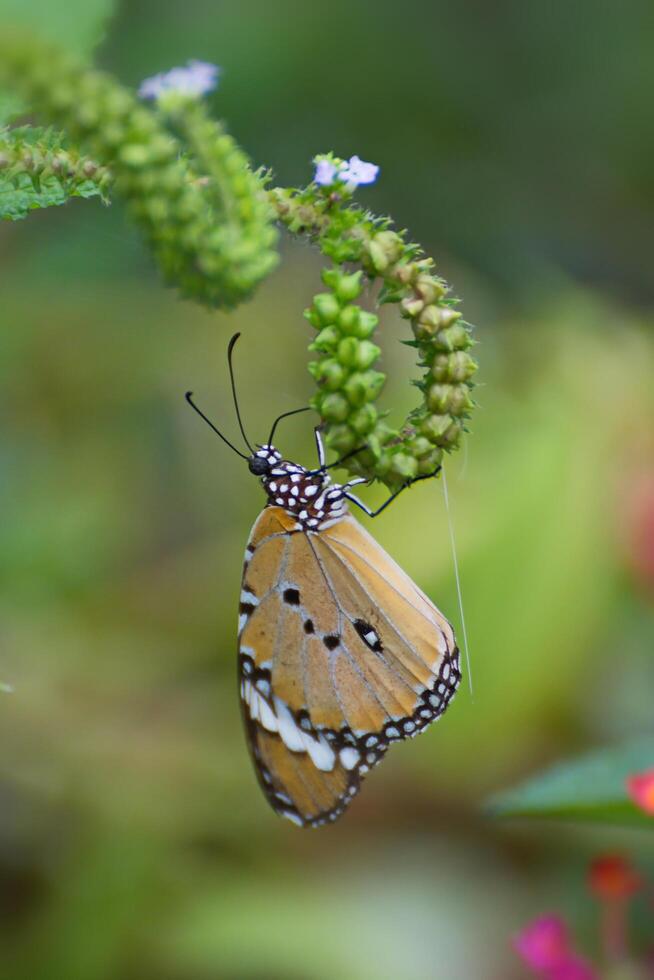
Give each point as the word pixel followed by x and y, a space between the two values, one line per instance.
pixel 457 577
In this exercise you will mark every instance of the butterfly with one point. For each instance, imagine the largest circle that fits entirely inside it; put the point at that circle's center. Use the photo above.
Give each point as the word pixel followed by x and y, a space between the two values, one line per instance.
pixel 340 654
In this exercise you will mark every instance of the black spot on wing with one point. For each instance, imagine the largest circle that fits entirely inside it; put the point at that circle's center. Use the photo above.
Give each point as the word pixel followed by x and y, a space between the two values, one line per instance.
pixel 292 597
pixel 331 640
pixel 368 634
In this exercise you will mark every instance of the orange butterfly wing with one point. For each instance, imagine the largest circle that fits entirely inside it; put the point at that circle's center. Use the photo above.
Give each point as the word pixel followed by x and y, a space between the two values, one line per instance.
pixel 340 654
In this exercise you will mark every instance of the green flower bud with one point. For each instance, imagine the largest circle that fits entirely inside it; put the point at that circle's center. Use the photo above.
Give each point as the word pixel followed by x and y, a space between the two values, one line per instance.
pixel 457 366
pixel 358 354
pixel 434 427
pixel 429 288
pixel 366 354
pixel 411 307
pixel 392 244
pixel 452 338
pixel 363 387
pixel 420 446
pixel 404 466
pixel 460 400
pixel 347 351
pixel 327 340
pixel 438 398
pixel 348 288
pixel 453 433
pixel 432 319
pixel 328 373
pixel 382 250
pixel 327 309
pixel 377 259
pixel 383 463
pixel 429 462
pixel 342 439
pixel 334 407
pixel 362 421
pixel 349 319
pixel 367 324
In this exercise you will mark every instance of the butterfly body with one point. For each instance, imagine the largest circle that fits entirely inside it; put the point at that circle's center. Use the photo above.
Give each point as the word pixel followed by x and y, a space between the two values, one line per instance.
pixel 340 653
pixel 307 495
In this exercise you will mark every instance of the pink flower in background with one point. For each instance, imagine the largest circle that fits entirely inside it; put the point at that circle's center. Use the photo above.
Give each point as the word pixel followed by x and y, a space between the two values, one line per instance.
pixel 612 877
pixel 573 968
pixel 640 787
pixel 614 881
pixel 638 518
pixel 544 945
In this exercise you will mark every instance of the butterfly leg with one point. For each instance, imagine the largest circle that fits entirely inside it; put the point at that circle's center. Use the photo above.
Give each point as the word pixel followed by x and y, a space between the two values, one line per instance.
pixel 375 513
pixel 321 455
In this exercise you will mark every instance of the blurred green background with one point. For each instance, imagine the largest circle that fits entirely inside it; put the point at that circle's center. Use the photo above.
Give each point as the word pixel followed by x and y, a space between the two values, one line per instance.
pixel 516 142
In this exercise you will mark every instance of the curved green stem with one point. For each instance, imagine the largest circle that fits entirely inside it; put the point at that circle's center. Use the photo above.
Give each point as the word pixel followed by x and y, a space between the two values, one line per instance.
pixel 348 385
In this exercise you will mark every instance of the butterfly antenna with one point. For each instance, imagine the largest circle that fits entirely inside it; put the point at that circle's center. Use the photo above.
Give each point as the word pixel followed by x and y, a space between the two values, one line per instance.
pixel 284 415
pixel 189 399
pixel 231 377
pixel 457 577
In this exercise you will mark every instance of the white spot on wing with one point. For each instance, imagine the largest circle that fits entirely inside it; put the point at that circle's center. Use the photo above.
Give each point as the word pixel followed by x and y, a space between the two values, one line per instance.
pixel 320 752
pixel 349 757
pixel 292 736
pixel 322 755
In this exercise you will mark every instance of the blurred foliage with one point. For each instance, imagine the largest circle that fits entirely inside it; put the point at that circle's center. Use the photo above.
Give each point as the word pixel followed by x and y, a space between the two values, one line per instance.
pixel 592 787
pixel 134 841
pixel 79 24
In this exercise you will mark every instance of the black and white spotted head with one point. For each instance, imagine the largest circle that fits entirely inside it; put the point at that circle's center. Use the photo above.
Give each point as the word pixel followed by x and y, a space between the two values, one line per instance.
pixel 263 460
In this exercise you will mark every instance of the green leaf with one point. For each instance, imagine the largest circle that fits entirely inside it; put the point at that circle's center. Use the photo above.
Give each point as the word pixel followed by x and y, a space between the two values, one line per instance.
pixel 38 171
pixel 77 24
pixel 591 787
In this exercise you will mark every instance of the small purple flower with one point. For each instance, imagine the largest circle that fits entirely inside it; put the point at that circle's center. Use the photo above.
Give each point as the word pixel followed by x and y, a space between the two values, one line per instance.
pixel 357 172
pixel 196 78
pixel 352 172
pixel 326 172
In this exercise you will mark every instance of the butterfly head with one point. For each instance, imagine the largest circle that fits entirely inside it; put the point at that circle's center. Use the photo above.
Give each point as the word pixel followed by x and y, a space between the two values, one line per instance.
pixel 263 460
